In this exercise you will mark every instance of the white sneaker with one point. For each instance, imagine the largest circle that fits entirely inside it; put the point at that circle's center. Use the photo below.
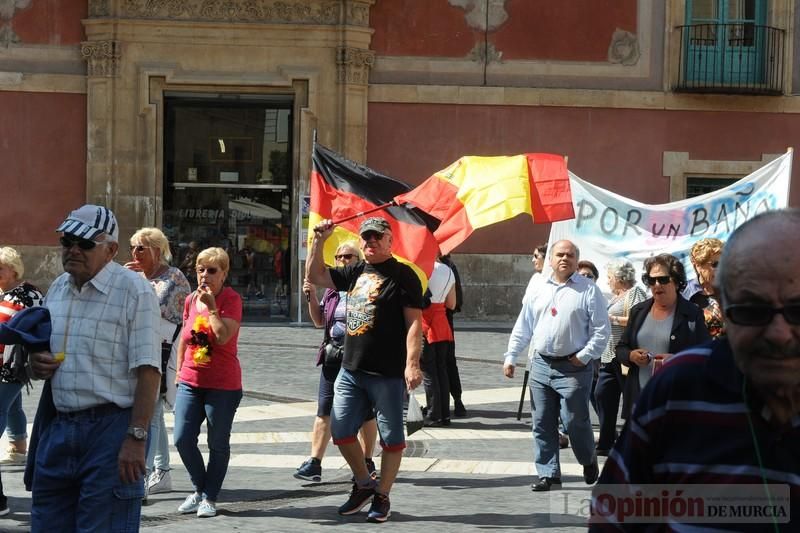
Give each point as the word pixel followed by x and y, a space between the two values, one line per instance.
pixel 14 458
pixel 190 504
pixel 207 509
pixel 159 481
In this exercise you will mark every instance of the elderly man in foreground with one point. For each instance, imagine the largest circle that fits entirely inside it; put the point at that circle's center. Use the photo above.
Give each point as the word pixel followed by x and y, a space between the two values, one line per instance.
pixel 727 413
pixel 105 374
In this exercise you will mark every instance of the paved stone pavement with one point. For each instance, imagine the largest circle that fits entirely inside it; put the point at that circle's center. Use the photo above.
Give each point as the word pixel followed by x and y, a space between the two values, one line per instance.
pixel 472 476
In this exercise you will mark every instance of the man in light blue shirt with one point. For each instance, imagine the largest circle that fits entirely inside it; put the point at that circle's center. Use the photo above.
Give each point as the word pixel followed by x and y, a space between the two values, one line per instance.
pixel 566 323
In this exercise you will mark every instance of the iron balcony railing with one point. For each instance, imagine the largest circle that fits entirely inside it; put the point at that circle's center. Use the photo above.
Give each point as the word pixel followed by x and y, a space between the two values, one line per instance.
pixel 739 58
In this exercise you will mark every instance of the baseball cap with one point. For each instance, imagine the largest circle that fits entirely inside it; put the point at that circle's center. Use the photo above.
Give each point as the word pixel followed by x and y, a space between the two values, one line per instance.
pixel 377 224
pixel 89 221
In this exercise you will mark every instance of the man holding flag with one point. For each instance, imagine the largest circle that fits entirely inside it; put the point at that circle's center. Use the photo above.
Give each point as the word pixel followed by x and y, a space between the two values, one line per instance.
pixel 381 355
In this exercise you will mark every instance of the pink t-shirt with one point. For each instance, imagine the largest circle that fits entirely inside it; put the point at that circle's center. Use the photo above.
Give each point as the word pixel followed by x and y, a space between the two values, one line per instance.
pixel 223 371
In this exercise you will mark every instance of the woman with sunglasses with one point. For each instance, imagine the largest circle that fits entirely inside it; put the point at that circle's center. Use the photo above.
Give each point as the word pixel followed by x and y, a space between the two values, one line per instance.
pixel 705 256
pixel 331 314
pixel 209 379
pixel 150 255
pixel 664 324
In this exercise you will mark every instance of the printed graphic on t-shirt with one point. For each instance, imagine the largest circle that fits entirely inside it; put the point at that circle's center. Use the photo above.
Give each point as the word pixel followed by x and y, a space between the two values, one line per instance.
pixel 361 303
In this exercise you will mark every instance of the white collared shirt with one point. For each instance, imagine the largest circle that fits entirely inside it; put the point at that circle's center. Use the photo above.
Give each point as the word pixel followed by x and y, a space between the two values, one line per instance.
pixel 558 319
pixel 106 329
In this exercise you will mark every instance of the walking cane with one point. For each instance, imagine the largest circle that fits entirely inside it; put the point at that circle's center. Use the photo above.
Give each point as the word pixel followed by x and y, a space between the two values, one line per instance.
pixel 522 396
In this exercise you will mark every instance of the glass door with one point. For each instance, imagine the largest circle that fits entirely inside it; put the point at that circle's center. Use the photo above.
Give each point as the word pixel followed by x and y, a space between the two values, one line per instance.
pixel 725 42
pixel 227 180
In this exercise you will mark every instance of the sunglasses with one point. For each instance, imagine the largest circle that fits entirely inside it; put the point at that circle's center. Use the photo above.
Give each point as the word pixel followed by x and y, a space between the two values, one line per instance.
pixel 651 280
pixel 138 249
pixel 207 270
pixel 343 256
pixel 83 244
pixel 587 275
pixel 368 235
pixel 760 315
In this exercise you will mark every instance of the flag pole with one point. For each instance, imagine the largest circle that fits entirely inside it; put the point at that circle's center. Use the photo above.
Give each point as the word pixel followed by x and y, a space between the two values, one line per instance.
pixel 301 274
pixel 362 213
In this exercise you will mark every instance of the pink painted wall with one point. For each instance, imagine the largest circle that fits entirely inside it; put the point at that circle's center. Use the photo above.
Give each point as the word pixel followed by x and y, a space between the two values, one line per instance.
pixel 617 149
pixel 43 170
pixel 577 30
pixel 51 22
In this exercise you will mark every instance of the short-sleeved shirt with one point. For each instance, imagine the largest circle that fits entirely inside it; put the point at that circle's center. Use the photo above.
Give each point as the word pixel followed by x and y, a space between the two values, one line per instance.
pixel 106 329
pixel 172 288
pixel 376 327
pixel 223 371
pixel 440 282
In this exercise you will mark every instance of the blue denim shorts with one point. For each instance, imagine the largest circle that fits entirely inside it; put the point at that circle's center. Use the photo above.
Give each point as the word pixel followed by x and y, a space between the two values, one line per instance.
pixel 355 395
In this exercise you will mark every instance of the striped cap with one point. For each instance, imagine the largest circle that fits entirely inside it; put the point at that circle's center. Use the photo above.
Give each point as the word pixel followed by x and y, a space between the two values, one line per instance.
pixel 89 221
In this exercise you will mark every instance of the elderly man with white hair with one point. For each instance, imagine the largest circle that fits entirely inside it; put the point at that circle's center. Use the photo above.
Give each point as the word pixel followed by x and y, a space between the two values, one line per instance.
pixel 104 372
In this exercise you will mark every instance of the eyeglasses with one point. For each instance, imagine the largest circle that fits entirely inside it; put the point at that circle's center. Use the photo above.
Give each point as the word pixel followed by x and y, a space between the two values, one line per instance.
pixel 207 270
pixel 138 249
pixel 83 244
pixel 368 235
pixel 348 257
pixel 651 280
pixel 760 314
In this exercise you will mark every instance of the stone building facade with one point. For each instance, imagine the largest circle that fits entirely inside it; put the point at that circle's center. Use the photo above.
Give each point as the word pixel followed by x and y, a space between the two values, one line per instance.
pixel 198 115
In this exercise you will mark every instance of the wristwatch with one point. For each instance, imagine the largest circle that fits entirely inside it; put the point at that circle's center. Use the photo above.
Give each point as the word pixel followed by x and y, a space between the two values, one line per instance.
pixel 137 433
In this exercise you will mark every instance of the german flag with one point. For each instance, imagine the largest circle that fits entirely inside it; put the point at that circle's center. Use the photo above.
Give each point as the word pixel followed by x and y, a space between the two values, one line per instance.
pixel 341 188
pixel 475 192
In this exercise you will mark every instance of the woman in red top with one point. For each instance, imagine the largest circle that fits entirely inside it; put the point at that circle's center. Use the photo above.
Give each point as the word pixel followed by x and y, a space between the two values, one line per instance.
pixel 209 379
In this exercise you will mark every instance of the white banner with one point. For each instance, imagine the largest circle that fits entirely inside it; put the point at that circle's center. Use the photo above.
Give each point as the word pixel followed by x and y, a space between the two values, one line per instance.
pixel 610 227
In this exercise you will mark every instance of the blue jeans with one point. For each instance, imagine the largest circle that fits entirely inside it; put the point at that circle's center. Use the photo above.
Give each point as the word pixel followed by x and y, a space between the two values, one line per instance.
pixel 355 395
pixel 550 383
pixel 12 417
pixel 218 407
pixel 158 449
pixel 76 484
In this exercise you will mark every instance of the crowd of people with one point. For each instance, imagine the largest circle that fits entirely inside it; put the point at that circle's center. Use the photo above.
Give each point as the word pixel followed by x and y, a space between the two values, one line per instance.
pixel 118 345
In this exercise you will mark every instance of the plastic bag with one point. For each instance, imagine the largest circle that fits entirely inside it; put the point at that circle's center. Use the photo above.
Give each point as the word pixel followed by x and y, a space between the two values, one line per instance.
pixel 413 416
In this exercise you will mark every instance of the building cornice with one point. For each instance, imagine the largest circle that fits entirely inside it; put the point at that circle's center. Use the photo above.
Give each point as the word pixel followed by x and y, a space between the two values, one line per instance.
pixel 321 12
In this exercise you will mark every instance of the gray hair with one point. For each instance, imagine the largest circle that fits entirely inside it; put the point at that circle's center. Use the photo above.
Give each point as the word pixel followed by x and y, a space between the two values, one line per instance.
pixel 11 258
pixel 623 271
pixel 352 246
pixel 575 246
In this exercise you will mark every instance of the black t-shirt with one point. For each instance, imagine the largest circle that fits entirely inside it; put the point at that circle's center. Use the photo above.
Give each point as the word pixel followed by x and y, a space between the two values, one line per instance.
pixel 376 328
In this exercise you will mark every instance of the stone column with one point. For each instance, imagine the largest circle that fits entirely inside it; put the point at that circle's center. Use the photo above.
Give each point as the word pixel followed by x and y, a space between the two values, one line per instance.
pixel 354 60
pixel 103 59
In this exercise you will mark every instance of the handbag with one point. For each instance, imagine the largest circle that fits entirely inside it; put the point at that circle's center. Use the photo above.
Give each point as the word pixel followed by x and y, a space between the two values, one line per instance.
pixel 334 353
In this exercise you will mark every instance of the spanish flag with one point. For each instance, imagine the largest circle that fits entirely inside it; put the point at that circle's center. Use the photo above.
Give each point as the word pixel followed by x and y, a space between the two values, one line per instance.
pixel 341 188
pixel 475 192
